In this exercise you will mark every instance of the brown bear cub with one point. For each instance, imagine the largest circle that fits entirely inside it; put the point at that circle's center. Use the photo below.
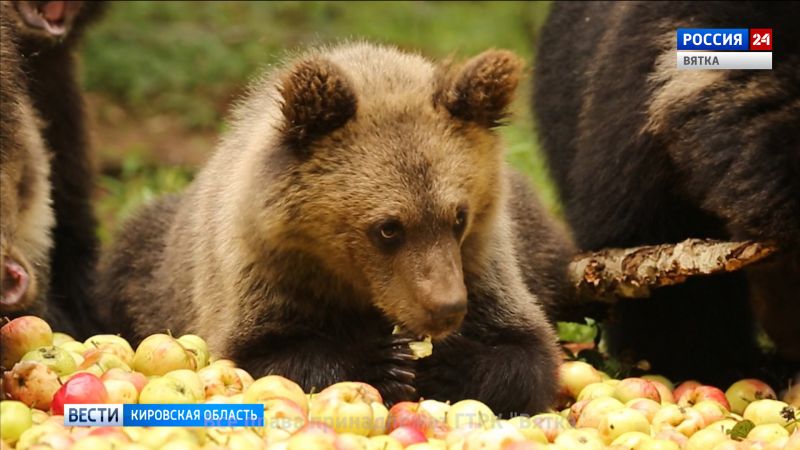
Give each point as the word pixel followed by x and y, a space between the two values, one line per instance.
pixel 26 216
pixel 47 33
pixel 359 188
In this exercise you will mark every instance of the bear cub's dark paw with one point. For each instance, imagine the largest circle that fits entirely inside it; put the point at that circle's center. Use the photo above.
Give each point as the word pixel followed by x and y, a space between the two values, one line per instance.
pixel 392 369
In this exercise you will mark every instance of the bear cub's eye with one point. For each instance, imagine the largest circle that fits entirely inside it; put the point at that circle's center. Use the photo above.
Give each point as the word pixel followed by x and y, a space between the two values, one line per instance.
pixel 461 221
pixel 389 234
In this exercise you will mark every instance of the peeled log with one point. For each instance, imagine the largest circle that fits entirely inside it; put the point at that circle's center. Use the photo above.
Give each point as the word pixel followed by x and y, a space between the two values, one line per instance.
pixel 610 274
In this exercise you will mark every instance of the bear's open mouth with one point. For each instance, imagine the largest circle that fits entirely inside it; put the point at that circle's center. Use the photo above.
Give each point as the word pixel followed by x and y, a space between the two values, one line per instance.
pixel 53 17
pixel 15 282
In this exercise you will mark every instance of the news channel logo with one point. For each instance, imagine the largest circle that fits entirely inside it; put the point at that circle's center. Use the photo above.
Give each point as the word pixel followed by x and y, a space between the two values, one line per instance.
pixel 724 48
pixel 152 415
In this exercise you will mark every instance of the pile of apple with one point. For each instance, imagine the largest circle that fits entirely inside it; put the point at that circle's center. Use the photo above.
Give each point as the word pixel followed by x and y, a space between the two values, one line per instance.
pixel 46 370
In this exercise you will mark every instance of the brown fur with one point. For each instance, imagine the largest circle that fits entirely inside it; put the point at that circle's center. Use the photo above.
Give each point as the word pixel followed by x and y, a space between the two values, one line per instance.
pixel 48 63
pixel 278 254
pixel 27 217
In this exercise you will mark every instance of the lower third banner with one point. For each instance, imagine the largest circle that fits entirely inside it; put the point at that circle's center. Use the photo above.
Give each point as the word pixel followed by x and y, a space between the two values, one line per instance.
pixel 151 415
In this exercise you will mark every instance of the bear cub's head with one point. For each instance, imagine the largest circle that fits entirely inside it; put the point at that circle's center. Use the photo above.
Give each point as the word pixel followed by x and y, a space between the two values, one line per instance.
pixel 395 172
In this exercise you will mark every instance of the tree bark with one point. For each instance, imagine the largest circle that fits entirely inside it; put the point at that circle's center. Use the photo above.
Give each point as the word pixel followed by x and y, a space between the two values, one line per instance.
pixel 610 274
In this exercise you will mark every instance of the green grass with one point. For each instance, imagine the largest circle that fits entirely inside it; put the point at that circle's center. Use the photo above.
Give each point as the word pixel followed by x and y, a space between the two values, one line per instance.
pixel 189 60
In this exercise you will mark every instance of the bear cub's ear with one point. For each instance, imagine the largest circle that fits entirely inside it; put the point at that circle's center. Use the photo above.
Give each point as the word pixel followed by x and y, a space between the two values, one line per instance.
pixel 317 99
pixel 481 90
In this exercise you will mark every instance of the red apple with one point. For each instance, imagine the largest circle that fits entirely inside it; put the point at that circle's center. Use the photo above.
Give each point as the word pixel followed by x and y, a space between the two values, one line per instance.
pixel 408 436
pixel 406 414
pixel 700 393
pixel 31 383
pixel 82 388
pixel 685 386
pixel 22 335
pixel 744 392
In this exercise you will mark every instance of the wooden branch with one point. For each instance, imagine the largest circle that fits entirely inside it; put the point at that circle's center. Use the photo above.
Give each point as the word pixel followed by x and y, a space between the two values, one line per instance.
pixel 615 273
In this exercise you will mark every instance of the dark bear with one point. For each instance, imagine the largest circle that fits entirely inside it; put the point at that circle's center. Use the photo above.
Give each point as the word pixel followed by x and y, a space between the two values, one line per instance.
pixel 358 189
pixel 26 216
pixel 48 32
pixel 644 153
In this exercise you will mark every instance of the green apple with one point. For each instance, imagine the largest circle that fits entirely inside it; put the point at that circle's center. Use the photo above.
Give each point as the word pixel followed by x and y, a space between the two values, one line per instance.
pixel 584 439
pixel 596 390
pixel 769 411
pixel 74 346
pixel 61 338
pixel 384 443
pixel 744 392
pixel 121 391
pixel 276 386
pixel 645 406
pixel 111 343
pixel 495 438
pixel 197 347
pixel 380 415
pixel 22 335
pixel 684 419
pixel 595 410
pixel 349 441
pixel 57 359
pixel 344 407
pixel 622 421
pixel 576 375
pixel 163 390
pixel 15 418
pixel 191 380
pixel 161 353
pixel 552 425
pixel 705 439
pixel 659 444
pixel 220 379
pixel 470 414
pixel 768 432
pixel 95 357
pixel 528 429
pixel 629 439
pixel 156 437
